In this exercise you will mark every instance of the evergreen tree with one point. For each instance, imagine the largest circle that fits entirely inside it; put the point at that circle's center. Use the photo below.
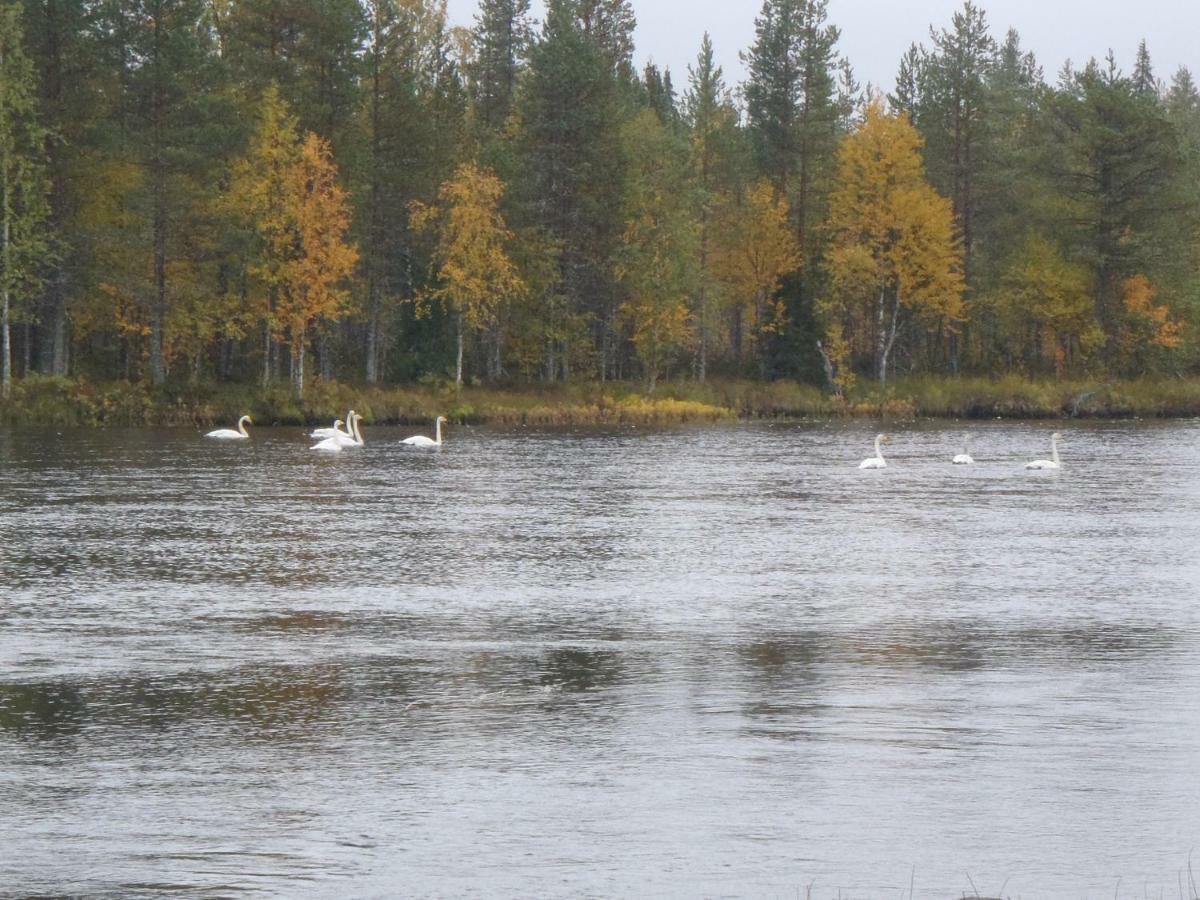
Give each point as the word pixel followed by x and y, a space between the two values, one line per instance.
pixel 411 129
pixel 909 81
pixel 1144 82
pixel 167 73
pixel 953 113
pixel 571 114
pixel 306 47
pixel 711 120
pixel 76 96
pixel 1119 165
pixel 502 36
pixel 23 183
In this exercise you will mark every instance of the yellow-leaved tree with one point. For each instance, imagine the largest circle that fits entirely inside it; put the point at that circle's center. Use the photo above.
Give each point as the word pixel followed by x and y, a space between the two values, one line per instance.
pixel 655 264
pixel 1045 306
pixel 894 257
pixel 474 274
pixel 320 262
pixel 287 192
pixel 754 249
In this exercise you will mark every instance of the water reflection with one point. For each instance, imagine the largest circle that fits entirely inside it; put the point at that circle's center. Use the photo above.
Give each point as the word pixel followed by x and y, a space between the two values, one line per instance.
pixel 669 663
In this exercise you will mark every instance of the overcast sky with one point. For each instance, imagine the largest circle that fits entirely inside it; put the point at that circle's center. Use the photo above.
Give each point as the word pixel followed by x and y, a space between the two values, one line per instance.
pixel 876 32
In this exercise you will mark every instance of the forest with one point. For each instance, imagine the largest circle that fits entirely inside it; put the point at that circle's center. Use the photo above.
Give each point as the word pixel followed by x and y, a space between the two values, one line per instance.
pixel 259 192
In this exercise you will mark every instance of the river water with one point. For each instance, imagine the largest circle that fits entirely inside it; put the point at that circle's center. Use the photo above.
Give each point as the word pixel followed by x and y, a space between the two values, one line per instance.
pixel 687 662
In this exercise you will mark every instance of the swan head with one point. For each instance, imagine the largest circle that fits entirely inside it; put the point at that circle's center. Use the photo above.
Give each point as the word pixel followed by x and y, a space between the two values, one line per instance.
pixel 883 439
pixel 1056 436
pixel 338 423
pixel 443 419
pixel 247 420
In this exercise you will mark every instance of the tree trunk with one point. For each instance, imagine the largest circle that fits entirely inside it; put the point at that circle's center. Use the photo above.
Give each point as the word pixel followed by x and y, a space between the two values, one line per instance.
pixel 459 365
pixel 5 264
pixel 5 343
pixel 298 349
pixel 372 364
pixel 267 346
pixel 880 350
pixel 326 354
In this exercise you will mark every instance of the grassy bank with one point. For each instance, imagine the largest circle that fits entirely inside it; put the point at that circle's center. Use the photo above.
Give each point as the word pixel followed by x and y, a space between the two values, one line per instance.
pixel 64 402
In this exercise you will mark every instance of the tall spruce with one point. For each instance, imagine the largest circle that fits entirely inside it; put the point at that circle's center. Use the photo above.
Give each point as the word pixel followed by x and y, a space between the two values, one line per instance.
pixel 954 99
pixel 571 114
pixel 502 35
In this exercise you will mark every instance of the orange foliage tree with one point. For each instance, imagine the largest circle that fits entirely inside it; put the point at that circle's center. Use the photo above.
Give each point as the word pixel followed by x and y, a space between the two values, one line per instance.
pixel 287 189
pixel 754 250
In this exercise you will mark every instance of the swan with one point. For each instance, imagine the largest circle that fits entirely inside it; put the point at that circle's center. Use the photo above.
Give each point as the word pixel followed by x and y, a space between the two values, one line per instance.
pixel 354 438
pixel 965 458
pixel 1054 462
pixel 341 441
pixel 336 429
pixel 421 441
pixel 228 434
pixel 877 461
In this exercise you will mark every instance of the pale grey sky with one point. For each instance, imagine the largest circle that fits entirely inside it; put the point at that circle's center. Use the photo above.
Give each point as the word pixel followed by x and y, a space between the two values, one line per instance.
pixel 876 32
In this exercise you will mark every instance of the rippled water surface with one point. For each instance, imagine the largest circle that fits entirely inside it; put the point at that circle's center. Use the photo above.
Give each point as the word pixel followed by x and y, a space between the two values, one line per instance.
pixel 660 663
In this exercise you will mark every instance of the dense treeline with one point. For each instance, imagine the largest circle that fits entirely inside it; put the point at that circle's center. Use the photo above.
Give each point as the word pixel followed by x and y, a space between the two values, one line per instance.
pixel 260 190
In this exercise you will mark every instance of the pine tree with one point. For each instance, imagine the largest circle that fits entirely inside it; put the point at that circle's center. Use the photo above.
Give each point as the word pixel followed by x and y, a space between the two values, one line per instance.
pixel 711 120
pixel 23 183
pixel 571 113
pixel 953 113
pixel 411 129
pixel 502 36
pixel 610 24
pixel 308 48
pixel 1120 166
pixel 168 73
pixel 62 38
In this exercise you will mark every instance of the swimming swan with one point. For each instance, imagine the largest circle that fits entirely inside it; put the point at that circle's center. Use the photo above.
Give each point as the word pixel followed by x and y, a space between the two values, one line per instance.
pixel 877 461
pixel 1054 462
pixel 336 429
pixel 228 434
pixel 342 441
pixel 421 441
pixel 965 458
pixel 354 438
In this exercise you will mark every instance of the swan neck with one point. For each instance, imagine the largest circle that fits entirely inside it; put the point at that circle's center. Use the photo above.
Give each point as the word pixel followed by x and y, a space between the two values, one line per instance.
pixel 1054 450
pixel 438 439
pixel 242 426
pixel 878 448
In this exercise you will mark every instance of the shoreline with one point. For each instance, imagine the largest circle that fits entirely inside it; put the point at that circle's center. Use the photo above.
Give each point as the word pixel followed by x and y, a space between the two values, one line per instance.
pixel 63 402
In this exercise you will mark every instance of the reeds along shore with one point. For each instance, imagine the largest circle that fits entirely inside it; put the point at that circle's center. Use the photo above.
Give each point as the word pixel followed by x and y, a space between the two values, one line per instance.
pixel 59 402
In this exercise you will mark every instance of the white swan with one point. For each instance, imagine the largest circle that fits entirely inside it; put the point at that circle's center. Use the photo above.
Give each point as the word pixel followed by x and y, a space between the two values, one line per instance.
pixel 228 434
pixel 877 461
pixel 354 438
pixel 342 441
pixel 336 429
pixel 421 441
pixel 965 458
pixel 1054 462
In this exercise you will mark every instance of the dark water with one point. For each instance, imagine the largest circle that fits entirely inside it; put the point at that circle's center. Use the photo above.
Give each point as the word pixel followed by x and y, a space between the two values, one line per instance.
pixel 685 663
